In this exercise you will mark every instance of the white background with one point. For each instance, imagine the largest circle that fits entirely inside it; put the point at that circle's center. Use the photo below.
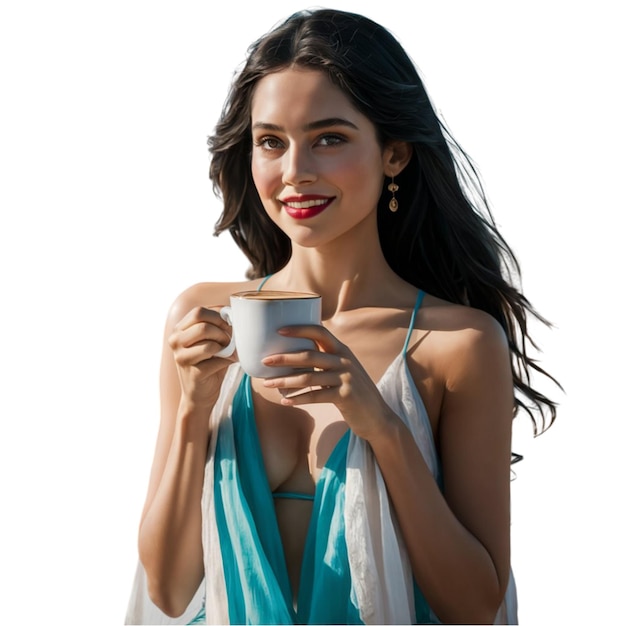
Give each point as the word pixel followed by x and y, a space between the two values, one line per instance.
pixel 107 213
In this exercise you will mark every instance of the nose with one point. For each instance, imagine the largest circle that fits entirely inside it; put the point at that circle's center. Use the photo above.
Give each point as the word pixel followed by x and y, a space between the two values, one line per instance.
pixel 299 166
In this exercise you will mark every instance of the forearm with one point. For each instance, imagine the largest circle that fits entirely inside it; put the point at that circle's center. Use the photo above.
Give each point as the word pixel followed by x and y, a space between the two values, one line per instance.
pixel 170 540
pixel 452 568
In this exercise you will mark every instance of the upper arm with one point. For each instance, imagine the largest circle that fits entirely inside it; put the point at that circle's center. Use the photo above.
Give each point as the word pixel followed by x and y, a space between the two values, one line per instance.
pixel 475 435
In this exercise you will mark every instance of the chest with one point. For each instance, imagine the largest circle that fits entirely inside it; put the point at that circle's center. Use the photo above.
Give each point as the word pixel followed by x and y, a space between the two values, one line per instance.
pixel 296 442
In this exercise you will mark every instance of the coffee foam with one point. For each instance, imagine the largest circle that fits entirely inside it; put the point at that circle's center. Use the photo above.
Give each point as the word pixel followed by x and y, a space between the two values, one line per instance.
pixel 276 295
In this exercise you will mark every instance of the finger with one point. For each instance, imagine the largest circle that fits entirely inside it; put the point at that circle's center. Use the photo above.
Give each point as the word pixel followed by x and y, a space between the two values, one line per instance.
pixel 320 335
pixel 198 353
pixel 201 314
pixel 323 395
pixel 304 379
pixel 303 359
pixel 200 333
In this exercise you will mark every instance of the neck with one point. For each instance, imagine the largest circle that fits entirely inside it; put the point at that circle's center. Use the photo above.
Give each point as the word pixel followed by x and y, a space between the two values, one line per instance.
pixel 348 273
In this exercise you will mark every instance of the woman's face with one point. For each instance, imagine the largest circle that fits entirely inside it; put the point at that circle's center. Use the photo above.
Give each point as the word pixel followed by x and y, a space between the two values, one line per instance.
pixel 316 161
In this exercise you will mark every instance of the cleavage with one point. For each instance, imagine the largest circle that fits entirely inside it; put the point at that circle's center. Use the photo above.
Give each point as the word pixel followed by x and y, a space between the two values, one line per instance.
pixel 296 442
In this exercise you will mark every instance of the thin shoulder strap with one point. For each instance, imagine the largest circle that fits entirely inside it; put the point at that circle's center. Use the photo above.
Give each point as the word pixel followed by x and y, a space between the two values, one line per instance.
pixel 263 282
pixel 418 303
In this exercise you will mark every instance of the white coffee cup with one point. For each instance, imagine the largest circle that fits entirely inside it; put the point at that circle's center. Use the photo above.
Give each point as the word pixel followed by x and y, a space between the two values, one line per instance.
pixel 256 316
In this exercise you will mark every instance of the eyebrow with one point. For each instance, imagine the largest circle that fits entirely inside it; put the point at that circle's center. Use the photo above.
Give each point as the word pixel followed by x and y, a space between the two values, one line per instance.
pixel 326 123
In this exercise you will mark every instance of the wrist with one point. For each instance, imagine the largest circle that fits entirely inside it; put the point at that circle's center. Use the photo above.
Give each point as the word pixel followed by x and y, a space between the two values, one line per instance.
pixel 387 431
pixel 193 417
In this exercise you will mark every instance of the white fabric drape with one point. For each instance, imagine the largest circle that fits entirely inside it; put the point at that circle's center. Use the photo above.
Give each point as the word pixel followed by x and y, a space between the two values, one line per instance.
pixel 381 573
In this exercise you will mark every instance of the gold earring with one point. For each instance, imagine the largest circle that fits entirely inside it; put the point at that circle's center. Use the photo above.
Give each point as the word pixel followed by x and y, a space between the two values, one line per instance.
pixel 393 203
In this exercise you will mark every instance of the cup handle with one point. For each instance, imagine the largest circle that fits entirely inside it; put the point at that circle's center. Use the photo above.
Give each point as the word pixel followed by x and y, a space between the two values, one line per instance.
pixel 230 348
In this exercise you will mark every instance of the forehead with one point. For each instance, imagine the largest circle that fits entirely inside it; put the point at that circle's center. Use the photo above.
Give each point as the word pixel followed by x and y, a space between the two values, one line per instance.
pixel 299 95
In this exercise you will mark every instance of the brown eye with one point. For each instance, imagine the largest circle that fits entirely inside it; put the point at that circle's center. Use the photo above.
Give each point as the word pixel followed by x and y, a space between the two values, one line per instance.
pixel 269 143
pixel 331 140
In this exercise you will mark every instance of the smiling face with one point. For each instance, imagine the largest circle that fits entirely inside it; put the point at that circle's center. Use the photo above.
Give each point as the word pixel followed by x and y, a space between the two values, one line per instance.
pixel 316 161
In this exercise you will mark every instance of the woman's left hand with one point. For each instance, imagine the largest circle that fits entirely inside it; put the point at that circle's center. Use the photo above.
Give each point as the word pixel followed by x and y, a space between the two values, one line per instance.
pixel 335 376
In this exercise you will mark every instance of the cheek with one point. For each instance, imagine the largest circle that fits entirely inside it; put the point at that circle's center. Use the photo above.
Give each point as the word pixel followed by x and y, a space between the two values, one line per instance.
pixel 257 177
pixel 358 162
pixel 363 177
pixel 264 178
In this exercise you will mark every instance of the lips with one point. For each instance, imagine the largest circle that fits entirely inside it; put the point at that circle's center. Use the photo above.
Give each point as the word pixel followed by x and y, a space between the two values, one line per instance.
pixel 305 207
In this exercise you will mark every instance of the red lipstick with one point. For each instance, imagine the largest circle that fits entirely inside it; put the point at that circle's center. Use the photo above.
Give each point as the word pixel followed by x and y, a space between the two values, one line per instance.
pixel 305 206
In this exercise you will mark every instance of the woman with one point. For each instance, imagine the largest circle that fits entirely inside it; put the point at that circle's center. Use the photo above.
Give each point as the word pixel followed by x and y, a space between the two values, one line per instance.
pixel 380 492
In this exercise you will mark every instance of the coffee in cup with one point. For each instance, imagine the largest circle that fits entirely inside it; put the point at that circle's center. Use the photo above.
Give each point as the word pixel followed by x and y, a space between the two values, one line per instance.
pixel 256 317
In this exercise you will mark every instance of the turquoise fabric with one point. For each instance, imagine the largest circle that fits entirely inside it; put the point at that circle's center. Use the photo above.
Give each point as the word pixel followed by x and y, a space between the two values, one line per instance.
pixel 255 570
pixel 254 563
pixel 325 584
pixel 292 495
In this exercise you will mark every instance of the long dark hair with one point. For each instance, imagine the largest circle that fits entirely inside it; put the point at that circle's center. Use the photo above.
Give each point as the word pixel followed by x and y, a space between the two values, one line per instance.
pixel 443 240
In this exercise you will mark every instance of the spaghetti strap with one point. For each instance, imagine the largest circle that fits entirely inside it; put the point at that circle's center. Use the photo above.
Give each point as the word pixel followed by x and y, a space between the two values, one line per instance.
pixel 418 303
pixel 293 495
pixel 263 282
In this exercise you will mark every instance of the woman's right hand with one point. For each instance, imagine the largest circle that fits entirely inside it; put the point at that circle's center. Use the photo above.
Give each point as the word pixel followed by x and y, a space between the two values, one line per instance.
pixel 194 341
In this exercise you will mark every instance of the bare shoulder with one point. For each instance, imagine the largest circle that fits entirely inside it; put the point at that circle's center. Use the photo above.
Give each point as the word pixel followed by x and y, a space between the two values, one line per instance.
pixel 455 338
pixel 459 327
pixel 207 295
pixel 441 315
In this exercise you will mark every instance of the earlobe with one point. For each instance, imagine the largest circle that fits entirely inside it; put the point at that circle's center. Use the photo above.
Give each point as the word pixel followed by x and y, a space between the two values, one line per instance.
pixel 396 155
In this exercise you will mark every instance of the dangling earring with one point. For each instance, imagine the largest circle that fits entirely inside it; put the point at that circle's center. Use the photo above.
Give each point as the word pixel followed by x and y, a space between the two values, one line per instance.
pixel 393 203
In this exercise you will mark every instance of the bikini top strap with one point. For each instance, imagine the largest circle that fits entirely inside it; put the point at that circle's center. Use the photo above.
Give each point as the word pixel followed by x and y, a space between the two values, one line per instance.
pixel 263 282
pixel 418 303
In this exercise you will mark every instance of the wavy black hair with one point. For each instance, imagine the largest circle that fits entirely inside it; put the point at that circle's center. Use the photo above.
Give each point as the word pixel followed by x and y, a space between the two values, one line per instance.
pixel 444 239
